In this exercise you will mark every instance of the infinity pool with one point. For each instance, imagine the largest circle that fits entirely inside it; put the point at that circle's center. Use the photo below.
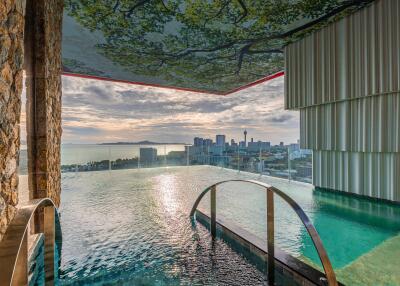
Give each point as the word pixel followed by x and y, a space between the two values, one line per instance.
pixel 131 227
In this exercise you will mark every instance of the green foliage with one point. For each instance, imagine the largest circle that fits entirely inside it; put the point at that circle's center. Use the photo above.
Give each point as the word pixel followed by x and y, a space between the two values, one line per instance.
pixel 209 45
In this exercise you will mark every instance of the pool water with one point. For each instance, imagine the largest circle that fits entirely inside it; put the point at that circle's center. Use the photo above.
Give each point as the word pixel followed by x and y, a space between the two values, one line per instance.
pixel 131 227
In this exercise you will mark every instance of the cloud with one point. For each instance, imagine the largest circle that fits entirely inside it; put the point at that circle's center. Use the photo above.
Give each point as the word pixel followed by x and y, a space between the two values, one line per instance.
pixel 281 118
pixel 94 110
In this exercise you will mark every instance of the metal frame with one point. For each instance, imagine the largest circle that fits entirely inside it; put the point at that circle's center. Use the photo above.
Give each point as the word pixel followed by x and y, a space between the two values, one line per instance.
pixel 270 191
pixel 14 246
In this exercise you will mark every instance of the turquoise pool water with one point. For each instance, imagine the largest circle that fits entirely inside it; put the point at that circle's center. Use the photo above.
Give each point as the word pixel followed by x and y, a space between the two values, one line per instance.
pixel 131 227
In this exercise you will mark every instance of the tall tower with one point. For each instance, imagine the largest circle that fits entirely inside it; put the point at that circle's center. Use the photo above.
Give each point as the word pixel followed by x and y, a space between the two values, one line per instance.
pixel 245 138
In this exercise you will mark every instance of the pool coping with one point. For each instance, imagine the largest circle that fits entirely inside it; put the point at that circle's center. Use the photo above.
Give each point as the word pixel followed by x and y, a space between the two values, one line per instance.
pixel 255 249
pixel 366 198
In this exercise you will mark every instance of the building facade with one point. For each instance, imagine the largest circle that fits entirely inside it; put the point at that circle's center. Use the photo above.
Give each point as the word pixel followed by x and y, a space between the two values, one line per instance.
pixel 345 81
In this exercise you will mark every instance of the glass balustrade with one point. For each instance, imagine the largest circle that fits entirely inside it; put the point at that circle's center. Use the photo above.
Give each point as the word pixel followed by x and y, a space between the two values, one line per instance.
pixel 285 162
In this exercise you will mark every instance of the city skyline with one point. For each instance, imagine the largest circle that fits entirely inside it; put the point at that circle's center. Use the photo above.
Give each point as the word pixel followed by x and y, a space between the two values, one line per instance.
pixel 199 141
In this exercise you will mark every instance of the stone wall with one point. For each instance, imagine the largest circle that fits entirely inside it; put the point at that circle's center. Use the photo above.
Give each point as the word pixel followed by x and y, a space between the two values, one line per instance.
pixel 43 81
pixel 39 34
pixel 11 65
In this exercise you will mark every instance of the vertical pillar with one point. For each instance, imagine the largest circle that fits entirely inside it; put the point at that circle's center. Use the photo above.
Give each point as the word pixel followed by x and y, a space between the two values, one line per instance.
pixel 49 240
pixel 187 155
pixel 20 276
pixel 213 211
pixel 270 237
pixel 165 155
pixel 43 82
pixel 109 158
pixel 289 165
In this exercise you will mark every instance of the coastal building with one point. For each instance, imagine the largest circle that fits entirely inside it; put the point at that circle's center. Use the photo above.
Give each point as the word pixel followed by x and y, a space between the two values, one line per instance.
pixel 208 142
pixel 294 147
pixel 148 156
pixel 258 146
pixel 234 144
pixel 198 141
pixel 220 140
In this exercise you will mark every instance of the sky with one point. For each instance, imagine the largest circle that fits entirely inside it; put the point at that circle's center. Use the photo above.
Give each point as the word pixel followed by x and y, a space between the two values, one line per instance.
pixel 97 111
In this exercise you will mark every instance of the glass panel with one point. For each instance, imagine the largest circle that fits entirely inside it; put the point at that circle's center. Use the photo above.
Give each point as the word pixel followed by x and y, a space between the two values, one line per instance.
pixel 300 164
pixel 289 162
pixel 23 190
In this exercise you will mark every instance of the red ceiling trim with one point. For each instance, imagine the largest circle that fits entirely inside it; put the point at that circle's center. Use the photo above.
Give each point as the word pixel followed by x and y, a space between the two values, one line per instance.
pixel 264 79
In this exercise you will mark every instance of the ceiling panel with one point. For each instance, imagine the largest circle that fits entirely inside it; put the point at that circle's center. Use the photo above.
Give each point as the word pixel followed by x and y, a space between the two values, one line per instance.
pixel 211 46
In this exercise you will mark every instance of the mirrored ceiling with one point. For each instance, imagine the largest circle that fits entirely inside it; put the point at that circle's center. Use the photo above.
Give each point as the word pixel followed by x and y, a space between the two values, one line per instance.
pixel 211 46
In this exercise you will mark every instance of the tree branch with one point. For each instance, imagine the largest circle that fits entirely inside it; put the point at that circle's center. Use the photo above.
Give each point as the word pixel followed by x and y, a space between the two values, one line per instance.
pixel 226 3
pixel 165 7
pixel 116 6
pixel 242 52
pixel 320 19
pixel 213 49
pixel 245 11
pixel 128 13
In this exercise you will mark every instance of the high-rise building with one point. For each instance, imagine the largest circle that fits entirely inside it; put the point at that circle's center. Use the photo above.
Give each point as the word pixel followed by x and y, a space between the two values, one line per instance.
pixel 253 146
pixel 245 137
pixel 281 144
pixel 265 146
pixel 207 142
pixel 148 155
pixel 220 140
pixel 258 146
pixel 294 147
pixel 198 141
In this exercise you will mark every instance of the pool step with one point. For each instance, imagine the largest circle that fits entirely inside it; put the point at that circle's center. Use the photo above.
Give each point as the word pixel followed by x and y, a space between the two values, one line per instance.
pixel 380 266
pixel 288 269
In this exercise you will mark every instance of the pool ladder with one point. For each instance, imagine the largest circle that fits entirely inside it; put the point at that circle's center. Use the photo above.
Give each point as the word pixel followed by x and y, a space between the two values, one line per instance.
pixel 270 191
pixel 14 245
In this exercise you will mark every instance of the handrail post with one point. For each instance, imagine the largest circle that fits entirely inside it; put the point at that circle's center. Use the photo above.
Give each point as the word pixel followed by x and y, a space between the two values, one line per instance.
pixel 49 240
pixel 213 199
pixel 21 265
pixel 270 237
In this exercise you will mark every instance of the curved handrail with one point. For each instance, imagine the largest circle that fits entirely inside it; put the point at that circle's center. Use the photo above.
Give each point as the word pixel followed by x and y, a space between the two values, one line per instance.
pixel 323 256
pixel 13 270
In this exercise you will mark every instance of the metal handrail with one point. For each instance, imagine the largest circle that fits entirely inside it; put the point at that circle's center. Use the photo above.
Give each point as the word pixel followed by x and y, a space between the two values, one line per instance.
pixel 323 256
pixel 14 246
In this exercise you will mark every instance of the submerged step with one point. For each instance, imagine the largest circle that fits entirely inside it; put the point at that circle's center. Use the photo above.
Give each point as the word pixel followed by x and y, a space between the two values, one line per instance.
pixel 288 269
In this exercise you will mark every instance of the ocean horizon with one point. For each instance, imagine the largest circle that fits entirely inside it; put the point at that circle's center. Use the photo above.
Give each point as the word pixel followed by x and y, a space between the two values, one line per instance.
pixel 84 153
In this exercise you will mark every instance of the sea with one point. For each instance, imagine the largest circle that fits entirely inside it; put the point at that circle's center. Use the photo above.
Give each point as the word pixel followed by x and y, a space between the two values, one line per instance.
pixel 84 153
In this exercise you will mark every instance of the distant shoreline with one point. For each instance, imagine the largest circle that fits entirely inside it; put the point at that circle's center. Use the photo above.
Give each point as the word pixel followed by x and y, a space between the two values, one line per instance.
pixel 141 143
pixel 124 143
